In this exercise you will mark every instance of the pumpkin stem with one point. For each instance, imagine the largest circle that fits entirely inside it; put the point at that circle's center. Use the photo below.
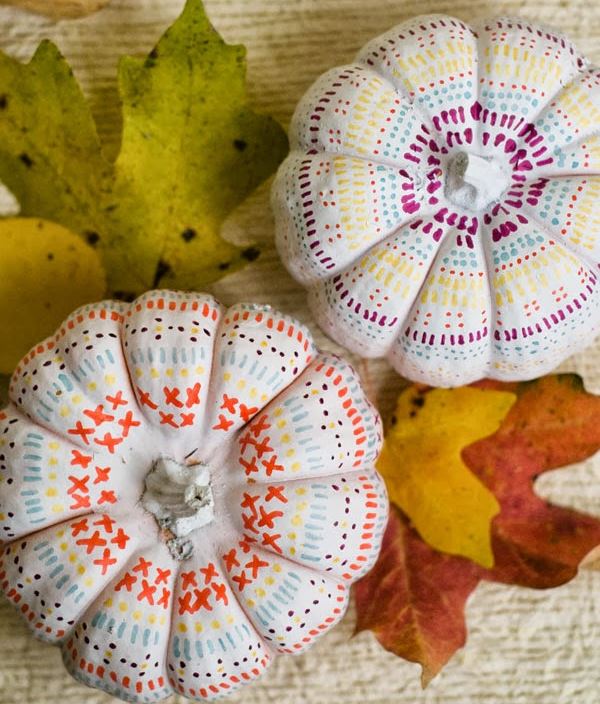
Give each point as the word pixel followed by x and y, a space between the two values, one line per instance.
pixel 473 181
pixel 180 499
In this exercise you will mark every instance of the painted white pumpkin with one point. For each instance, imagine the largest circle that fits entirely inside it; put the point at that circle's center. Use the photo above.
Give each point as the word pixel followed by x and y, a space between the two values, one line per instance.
pixel 441 200
pixel 185 491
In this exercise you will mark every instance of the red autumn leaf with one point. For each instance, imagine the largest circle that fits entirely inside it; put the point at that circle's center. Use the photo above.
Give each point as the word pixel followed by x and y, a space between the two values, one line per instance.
pixel 554 423
pixel 414 597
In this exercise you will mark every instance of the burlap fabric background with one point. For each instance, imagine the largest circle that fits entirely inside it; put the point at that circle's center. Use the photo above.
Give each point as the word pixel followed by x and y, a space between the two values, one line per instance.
pixel 525 647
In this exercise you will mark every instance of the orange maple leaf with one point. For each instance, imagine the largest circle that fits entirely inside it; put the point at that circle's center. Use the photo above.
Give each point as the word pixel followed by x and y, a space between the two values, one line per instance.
pixel 414 597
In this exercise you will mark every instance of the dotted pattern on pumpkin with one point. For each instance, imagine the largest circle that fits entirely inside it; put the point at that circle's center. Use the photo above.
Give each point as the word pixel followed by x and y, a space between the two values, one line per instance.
pixel 290 441
pixel 396 263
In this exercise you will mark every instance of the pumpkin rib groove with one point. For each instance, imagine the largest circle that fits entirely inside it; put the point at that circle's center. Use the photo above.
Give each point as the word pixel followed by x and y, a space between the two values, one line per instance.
pixel 338 584
pixel 477 369
pixel 578 141
pixel 92 611
pixel 367 54
pixel 194 565
pixel 306 275
pixel 132 386
pixel 320 313
pixel 486 275
pixel 12 407
pixel 483 25
pixel 563 242
pixel 371 477
pixel 89 596
pixel 268 647
pixel 22 522
pixel 259 311
pixel 401 326
pixel 299 144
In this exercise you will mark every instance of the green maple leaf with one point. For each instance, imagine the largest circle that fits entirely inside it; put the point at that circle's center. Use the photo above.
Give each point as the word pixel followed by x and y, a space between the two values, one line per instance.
pixel 192 149
pixel 50 155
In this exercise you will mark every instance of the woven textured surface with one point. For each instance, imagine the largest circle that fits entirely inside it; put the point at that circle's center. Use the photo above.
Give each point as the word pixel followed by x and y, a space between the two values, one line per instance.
pixel 525 647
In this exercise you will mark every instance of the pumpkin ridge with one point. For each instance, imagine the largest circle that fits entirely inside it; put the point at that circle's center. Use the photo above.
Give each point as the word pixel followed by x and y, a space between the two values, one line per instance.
pixel 333 279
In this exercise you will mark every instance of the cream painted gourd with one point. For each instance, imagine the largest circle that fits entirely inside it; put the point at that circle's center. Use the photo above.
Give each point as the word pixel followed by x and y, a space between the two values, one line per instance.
pixel 441 200
pixel 185 492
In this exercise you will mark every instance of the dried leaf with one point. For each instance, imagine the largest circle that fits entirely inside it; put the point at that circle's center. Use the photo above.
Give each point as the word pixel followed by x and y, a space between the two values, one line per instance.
pixel 425 475
pixel 192 150
pixel 50 156
pixel 553 424
pixel 45 272
pixel 414 598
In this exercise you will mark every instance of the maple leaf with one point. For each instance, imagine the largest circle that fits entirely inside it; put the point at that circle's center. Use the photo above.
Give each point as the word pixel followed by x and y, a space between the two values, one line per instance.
pixel 45 272
pixel 424 472
pixel 553 424
pixel 415 596
pixel 50 155
pixel 191 150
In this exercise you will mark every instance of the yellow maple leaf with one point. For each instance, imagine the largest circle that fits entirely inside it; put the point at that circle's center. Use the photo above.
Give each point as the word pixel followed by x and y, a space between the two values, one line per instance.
pixel 45 272
pixel 424 472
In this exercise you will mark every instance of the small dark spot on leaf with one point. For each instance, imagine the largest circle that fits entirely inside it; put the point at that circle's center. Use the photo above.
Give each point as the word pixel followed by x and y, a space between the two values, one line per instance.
pixel 393 421
pixel 223 266
pixel 150 61
pixel 162 269
pixel 50 256
pixel 92 238
pixel 26 159
pixel 188 234
pixel 251 253
pixel 3 101
pixel 240 144
pixel 418 401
